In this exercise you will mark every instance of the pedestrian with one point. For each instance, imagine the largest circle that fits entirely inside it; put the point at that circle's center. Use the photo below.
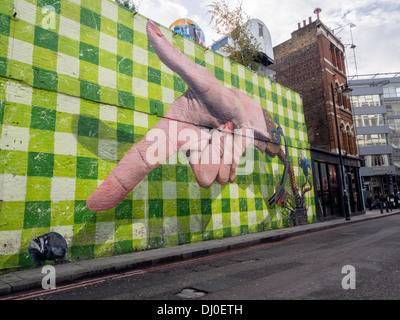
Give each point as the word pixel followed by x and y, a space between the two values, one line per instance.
pixel 387 202
pixel 382 202
pixel 369 202
pixel 396 200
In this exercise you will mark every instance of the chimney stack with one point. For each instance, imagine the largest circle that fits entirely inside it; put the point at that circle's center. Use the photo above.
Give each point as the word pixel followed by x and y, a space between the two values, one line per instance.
pixel 299 25
pixel 304 23
pixel 309 20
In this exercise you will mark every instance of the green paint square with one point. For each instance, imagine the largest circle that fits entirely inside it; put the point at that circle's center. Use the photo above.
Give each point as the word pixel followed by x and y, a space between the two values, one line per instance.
pixel 5 24
pixel 56 4
pixel 154 75
pixel 126 99
pixel 44 79
pixel 125 66
pixel 40 164
pixel 125 33
pixel 62 213
pixel 183 238
pixel 179 84
pixel 12 215
pixel 125 133
pixel 68 46
pixel 89 53
pixel 123 247
pixel 156 174
pixel 41 141
pixel 88 71
pixel 181 173
pixel 183 207
pixel 88 126
pixel 37 214
pixel 89 90
pixel 90 19
pixel 82 252
pixel 225 205
pixel 64 166
pixel 38 188
pixel 82 214
pixel 68 85
pixel 123 211
pixel 206 206
pixel 43 118
pixel 155 208
pixel 15 114
pixel 3 66
pixel 219 74
pixel 14 162
pixel 46 39
pixel 86 168
pixel 235 81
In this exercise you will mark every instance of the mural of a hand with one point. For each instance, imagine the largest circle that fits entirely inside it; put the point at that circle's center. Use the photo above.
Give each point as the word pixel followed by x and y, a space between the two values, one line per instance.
pixel 214 156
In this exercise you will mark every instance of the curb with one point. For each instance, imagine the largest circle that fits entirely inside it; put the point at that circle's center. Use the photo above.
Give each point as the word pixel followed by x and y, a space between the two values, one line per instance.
pixel 18 281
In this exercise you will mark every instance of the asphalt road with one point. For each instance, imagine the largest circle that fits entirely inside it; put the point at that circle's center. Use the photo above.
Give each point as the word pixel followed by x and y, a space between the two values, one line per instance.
pixel 307 267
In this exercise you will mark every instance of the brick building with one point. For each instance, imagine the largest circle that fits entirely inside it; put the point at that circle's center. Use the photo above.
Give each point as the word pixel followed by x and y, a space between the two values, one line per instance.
pixel 309 62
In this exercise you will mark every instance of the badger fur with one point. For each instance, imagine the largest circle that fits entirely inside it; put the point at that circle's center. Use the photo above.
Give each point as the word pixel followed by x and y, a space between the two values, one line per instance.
pixel 49 246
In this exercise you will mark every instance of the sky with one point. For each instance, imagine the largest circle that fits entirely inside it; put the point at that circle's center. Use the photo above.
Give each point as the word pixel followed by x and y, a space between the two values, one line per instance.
pixel 375 31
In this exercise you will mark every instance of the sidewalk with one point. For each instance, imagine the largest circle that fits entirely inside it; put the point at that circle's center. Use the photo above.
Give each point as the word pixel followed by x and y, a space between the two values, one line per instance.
pixel 31 279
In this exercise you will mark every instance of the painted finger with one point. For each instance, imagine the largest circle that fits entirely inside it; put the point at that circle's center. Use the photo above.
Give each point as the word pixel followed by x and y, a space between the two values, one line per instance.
pixel 227 151
pixel 206 163
pixel 156 147
pixel 241 140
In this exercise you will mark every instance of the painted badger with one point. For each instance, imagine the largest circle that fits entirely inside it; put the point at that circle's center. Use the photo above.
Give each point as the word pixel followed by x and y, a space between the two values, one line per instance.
pixel 49 246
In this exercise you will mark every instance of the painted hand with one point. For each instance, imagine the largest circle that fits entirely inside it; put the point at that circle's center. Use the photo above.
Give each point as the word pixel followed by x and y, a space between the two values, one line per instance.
pixel 207 104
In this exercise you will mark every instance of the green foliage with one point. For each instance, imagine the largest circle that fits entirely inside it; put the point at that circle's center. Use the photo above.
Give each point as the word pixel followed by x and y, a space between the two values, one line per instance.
pixel 243 47
pixel 128 3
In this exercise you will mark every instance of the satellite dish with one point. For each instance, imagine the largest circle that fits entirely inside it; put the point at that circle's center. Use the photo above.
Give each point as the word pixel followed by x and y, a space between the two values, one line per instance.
pixel 317 12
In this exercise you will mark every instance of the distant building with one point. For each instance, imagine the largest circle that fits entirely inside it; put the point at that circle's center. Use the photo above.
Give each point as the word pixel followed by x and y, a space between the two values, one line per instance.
pixel 311 62
pixel 375 103
pixel 259 31
pixel 189 29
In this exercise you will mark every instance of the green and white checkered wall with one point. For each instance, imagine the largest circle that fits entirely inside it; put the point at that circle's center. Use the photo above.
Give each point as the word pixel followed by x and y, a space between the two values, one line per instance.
pixel 79 85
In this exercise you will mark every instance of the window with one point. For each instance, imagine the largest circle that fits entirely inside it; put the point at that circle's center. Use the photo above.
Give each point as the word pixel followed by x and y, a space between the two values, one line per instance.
pixel 260 30
pixel 367 120
pixel 370 140
pixel 366 101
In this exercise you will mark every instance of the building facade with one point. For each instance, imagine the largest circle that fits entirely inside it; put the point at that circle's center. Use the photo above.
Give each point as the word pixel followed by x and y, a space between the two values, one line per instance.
pixel 376 111
pixel 312 63
pixel 261 33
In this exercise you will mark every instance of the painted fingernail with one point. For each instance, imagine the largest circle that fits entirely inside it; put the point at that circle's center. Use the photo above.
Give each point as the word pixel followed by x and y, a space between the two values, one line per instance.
pixel 155 29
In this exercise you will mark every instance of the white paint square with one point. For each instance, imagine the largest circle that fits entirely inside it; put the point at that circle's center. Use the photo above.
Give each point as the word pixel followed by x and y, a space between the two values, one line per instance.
pixel 217 221
pixel 169 189
pixel 140 87
pixel 62 189
pixel 109 10
pixel 170 225
pixel 14 138
pixel 194 190
pixel 25 11
pixel 233 191
pixel 235 219
pixel 105 232
pixel 69 28
pixel 140 119
pixel 10 242
pixel 68 104
pixel 108 112
pixel 108 149
pixel 195 223
pixel 14 187
pixel 19 93
pixel 108 43
pixel 67 65
pixel 140 55
pixel 107 77
pixel 141 191
pixel 20 51
pixel 65 143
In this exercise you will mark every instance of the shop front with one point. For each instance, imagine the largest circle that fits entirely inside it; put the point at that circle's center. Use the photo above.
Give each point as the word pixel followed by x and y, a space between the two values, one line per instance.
pixel 329 199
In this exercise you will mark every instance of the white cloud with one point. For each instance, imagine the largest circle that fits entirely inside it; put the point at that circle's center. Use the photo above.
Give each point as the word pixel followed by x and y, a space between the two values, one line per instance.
pixel 376 33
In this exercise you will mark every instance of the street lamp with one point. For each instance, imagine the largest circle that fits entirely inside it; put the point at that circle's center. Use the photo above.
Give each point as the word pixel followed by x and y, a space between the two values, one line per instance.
pixel 345 90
